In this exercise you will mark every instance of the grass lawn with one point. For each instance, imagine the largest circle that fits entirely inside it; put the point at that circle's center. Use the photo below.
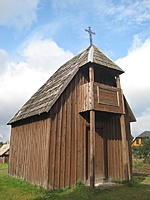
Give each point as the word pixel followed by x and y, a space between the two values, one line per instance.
pixel 138 188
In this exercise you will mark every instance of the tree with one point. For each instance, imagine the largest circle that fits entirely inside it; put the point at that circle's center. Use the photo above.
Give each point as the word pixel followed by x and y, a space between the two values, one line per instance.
pixel 132 138
pixel 145 148
pixel 1 144
pixel 143 151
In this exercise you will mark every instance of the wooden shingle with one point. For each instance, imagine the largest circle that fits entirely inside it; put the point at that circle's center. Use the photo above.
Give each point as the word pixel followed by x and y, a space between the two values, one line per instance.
pixel 47 95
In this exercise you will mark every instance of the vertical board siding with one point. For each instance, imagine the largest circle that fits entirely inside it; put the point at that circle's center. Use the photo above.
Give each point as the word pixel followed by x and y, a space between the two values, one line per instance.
pixel 28 154
pixel 128 141
pixel 66 157
pixel 112 137
pixel 53 152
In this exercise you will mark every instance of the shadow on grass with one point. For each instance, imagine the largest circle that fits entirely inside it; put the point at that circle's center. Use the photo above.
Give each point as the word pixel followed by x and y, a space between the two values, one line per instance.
pixel 140 174
pixel 140 177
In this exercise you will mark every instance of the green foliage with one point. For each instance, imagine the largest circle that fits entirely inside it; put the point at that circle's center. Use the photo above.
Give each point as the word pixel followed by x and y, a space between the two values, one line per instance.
pixel 137 152
pixel 79 183
pixel 129 183
pixel 146 147
pixel 143 151
pixel 132 138
pixel 1 144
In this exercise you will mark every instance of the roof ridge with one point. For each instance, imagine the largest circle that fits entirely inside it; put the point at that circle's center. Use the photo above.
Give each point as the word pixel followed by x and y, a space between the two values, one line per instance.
pixel 90 55
pixel 144 134
pixel 45 97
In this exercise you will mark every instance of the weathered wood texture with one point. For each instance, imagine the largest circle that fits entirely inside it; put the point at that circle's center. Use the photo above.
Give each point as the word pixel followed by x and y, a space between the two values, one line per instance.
pixel 50 152
pixel 28 152
pixel 108 148
pixel 43 100
pixel 106 98
pixel 53 151
pixel 92 127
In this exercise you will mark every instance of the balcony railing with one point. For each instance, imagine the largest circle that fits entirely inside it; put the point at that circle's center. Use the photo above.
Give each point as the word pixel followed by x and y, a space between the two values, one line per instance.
pixel 106 98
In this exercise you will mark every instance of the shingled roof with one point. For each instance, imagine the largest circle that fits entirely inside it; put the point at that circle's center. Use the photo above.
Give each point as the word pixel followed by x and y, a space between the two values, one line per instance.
pixel 4 149
pixel 47 95
pixel 144 134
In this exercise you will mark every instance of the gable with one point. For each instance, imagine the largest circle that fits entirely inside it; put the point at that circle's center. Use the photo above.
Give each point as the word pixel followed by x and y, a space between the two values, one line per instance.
pixel 43 100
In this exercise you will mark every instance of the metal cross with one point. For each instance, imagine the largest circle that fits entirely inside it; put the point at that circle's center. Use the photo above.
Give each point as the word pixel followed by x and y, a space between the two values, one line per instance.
pixel 90 34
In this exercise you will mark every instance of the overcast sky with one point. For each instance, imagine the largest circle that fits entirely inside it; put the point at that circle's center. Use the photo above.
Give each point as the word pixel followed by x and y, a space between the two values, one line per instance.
pixel 38 36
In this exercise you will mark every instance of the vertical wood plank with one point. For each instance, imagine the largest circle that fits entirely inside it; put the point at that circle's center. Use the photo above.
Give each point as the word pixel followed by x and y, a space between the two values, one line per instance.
pixel 124 149
pixel 123 135
pixel 60 143
pixel 48 150
pixel 92 128
pixel 63 148
pixel 76 127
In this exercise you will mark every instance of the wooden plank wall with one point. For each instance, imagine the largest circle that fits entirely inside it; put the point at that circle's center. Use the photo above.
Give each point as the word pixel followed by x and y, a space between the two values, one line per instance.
pixel 67 139
pixel 115 156
pixel 106 98
pixel 52 152
pixel 128 143
pixel 28 152
pixel 113 145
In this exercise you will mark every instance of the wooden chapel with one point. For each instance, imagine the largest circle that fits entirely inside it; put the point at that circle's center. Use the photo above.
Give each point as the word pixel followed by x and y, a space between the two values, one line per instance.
pixel 75 127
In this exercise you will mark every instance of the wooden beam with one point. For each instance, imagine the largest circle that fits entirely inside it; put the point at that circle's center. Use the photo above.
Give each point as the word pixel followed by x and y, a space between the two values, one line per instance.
pixel 124 147
pixel 118 82
pixel 48 150
pixel 92 148
pixel 124 137
pixel 92 128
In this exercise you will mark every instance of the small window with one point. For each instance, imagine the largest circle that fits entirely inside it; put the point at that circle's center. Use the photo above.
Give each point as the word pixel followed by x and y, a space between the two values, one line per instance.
pixel 137 141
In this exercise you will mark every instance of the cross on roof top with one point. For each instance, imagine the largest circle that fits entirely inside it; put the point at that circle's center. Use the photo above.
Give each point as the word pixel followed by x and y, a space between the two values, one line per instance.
pixel 90 34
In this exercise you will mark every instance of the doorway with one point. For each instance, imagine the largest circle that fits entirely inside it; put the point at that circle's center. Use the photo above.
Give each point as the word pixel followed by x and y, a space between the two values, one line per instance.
pixel 101 154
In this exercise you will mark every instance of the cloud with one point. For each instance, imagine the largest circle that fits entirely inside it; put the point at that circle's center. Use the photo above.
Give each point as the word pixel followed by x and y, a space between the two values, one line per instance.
pixel 39 59
pixel 142 124
pixel 135 44
pixel 3 59
pixel 136 84
pixel 45 55
pixel 4 130
pixel 130 12
pixel 18 13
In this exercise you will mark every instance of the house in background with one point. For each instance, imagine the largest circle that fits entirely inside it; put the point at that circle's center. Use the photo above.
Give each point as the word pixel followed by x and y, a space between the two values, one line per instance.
pixel 75 127
pixel 4 153
pixel 138 140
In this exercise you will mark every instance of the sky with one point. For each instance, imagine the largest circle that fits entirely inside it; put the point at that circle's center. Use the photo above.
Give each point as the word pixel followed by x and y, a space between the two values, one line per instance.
pixel 38 36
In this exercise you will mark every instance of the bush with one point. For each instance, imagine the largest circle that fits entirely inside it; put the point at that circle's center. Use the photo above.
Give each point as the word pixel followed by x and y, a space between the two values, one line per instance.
pixel 143 151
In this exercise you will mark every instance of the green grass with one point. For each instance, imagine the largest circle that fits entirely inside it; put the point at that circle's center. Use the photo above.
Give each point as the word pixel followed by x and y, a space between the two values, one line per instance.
pixel 13 188
pixel 16 189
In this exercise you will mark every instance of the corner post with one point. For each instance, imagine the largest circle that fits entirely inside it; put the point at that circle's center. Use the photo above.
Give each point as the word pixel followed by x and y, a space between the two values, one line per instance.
pixel 92 127
pixel 123 135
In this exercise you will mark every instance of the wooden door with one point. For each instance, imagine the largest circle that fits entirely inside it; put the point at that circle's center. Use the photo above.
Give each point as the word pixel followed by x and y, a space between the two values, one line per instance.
pixel 101 154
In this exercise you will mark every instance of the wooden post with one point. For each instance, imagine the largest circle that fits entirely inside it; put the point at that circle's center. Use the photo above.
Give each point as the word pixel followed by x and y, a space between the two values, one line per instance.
pixel 123 136
pixel 3 158
pixel 92 128
pixel 48 151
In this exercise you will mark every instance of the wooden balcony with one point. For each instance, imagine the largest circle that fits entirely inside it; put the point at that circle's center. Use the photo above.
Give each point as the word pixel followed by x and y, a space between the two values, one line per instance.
pixel 106 98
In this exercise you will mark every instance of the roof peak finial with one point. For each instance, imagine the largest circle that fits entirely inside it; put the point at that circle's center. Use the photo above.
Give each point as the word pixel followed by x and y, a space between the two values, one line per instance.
pixel 90 34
